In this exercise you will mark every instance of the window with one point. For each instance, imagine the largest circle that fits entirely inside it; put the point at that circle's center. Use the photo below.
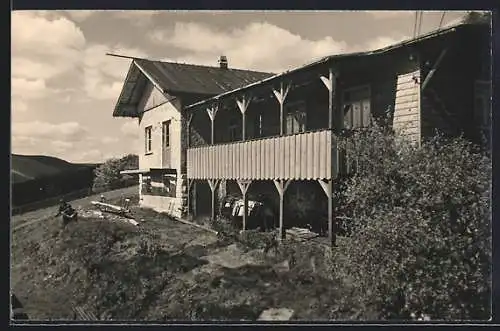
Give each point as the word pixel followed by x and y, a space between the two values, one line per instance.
pixel 159 185
pixel 234 130
pixel 165 134
pixel 295 117
pixel 356 105
pixel 148 139
pixel 259 129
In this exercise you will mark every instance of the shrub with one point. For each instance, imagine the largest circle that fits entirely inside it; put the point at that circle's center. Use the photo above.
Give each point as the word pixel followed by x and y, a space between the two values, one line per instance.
pixel 108 177
pixel 421 243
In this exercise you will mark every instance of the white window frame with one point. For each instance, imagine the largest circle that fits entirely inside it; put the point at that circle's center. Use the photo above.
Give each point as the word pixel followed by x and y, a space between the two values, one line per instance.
pixel 148 139
pixel 165 133
pixel 370 100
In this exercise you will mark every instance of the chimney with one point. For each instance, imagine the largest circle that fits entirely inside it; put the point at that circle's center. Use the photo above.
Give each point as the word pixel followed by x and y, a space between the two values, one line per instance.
pixel 223 62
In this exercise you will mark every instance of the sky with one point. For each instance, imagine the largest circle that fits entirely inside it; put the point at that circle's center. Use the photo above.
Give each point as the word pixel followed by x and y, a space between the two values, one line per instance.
pixel 64 87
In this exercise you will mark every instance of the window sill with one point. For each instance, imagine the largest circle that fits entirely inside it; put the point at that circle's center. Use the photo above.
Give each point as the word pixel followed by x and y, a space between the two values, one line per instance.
pixel 148 153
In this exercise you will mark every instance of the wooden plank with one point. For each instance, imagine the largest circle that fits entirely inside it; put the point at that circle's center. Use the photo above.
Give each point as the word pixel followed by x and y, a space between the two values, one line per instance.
pixel 317 155
pixel 405 92
pixel 303 157
pixel 405 78
pixel 328 155
pixel 322 154
pixel 310 159
pixel 288 149
pixel 406 105
pixel 403 117
pixel 407 99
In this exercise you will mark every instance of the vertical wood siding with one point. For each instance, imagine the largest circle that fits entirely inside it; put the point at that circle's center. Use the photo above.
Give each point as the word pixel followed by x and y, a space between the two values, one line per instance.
pixel 300 157
pixel 407 106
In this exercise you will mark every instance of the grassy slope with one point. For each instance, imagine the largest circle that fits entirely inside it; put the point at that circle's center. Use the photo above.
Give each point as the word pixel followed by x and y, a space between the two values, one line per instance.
pixel 118 271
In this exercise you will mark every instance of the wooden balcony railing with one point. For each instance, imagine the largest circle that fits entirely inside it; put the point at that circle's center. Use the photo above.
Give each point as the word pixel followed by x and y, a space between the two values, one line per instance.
pixel 304 156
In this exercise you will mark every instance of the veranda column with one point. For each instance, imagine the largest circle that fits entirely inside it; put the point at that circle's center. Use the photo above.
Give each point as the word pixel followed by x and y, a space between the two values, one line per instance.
pixel 243 106
pixel 281 186
pixel 281 95
pixel 212 111
pixel 244 184
pixel 213 186
pixel 333 121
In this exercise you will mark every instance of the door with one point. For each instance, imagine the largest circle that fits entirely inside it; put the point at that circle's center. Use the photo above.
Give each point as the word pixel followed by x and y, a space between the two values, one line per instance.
pixel 165 145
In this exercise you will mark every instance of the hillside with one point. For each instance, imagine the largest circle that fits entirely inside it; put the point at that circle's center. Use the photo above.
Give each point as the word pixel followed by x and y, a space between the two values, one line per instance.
pixel 28 167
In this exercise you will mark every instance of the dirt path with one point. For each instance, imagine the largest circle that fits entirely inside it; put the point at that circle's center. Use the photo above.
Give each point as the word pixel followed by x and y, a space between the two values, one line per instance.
pixel 32 217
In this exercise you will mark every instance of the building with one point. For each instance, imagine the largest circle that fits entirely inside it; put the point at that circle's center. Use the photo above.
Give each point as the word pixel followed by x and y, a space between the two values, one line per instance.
pixel 276 136
pixel 156 93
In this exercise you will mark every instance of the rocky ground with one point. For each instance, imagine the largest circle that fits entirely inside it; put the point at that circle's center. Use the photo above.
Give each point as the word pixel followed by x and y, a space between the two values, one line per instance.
pixel 159 270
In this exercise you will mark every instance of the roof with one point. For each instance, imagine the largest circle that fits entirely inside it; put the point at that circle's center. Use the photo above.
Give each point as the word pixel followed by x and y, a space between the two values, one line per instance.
pixel 179 78
pixel 29 167
pixel 331 58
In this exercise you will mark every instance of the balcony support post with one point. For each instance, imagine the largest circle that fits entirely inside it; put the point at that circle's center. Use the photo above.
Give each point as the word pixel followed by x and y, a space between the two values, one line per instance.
pixel 212 111
pixel 327 187
pixel 243 106
pixel 281 97
pixel 188 129
pixel 213 187
pixel 330 83
pixel 189 185
pixel 335 117
pixel 281 186
pixel 244 185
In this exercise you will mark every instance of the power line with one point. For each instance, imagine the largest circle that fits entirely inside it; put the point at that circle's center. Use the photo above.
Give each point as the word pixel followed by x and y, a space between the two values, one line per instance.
pixel 442 19
pixel 420 23
pixel 415 24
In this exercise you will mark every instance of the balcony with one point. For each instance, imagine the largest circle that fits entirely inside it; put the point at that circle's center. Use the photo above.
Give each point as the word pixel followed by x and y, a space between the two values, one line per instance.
pixel 303 156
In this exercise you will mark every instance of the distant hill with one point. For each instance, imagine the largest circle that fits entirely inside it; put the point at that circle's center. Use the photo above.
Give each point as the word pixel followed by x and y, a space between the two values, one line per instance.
pixel 29 167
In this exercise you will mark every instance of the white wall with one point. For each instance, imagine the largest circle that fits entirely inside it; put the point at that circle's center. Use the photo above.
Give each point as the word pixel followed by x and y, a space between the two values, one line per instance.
pixel 163 111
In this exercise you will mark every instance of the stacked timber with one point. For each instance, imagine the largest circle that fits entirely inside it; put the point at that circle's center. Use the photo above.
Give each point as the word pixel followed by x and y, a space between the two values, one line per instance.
pixel 300 234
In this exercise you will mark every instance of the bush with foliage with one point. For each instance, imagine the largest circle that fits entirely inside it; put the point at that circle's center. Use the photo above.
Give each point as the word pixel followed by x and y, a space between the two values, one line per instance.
pixel 421 244
pixel 108 177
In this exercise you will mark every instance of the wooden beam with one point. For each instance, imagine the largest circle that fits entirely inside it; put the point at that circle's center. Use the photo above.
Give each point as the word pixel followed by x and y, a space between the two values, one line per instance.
pixel 433 70
pixel 212 111
pixel 281 186
pixel 188 129
pixel 327 188
pixel 243 105
pixel 281 96
pixel 213 186
pixel 330 83
pixel 244 185
pixel 189 185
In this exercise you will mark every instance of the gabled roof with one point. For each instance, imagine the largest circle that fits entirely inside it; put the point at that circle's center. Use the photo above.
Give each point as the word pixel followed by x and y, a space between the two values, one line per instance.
pixel 177 78
pixel 336 57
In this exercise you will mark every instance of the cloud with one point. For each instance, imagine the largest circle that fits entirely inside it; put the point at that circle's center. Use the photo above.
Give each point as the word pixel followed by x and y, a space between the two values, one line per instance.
pixel 109 140
pixel 390 14
pixel 130 129
pixel 139 18
pixel 104 75
pixel 258 46
pixel 42 36
pixel 30 88
pixel 79 15
pixel 381 42
pixel 44 46
pixel 68 131
pixel 18 106
pixel 61 145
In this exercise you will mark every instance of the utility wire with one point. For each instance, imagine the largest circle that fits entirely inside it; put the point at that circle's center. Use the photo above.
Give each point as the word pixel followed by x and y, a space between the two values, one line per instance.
pixel 420 23
pixel 415 24
pixel 442 19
